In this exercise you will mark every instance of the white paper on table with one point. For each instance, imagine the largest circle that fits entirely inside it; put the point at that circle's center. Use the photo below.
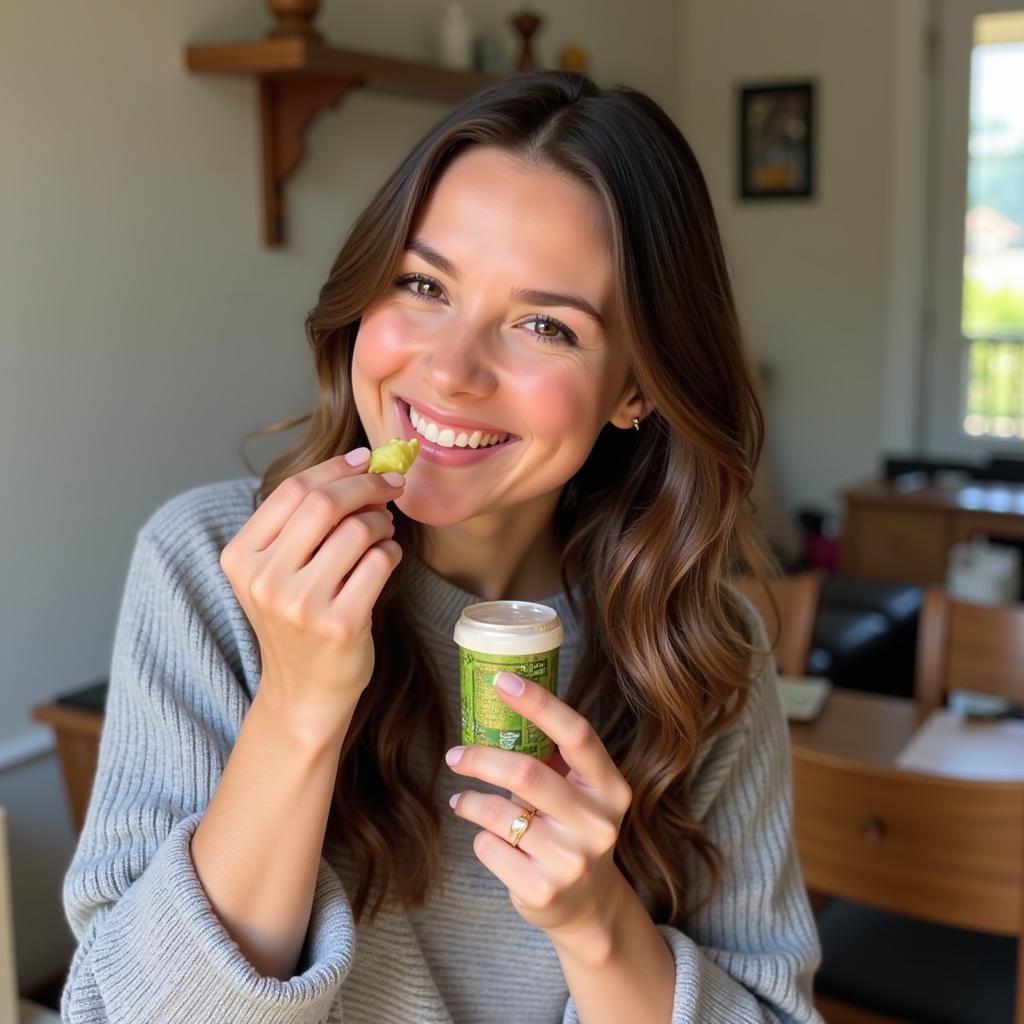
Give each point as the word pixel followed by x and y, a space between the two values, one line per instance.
pixel 947 745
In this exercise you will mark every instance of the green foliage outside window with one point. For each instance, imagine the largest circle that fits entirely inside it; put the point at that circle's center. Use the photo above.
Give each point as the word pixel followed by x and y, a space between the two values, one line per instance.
pixel 994 319
pixel 992 312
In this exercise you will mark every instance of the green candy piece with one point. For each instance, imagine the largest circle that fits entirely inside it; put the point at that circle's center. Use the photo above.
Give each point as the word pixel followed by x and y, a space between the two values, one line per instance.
pixel 394 457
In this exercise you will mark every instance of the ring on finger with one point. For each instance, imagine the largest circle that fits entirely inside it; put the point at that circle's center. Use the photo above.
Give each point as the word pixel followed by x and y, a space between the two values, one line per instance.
pixel 520 825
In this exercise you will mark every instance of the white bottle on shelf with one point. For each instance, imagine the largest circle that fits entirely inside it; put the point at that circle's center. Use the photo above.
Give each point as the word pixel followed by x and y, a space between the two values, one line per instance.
pixel 455 38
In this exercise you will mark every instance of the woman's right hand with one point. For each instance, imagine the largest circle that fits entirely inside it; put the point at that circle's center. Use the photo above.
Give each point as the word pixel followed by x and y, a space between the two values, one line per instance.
pixel 307 568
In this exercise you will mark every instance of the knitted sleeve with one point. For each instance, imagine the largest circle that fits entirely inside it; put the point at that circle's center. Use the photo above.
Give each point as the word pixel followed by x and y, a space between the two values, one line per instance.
pixel 150 946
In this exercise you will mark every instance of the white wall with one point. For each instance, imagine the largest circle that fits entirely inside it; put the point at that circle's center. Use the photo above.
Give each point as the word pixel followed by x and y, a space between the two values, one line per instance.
pixel 144 327
pixel 828 288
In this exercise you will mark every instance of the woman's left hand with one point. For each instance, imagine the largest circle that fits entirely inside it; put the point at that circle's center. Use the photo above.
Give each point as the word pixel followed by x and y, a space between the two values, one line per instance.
pixel 561 877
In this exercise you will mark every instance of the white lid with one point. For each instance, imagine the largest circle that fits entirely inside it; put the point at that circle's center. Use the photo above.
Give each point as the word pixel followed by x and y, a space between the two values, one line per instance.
pixel 509 627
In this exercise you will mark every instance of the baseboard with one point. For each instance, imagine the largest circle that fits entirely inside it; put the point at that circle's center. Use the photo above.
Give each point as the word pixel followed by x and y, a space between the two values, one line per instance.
pixel 26 747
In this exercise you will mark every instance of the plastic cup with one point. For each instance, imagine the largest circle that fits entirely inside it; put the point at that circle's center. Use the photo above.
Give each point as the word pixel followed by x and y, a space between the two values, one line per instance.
pixel 505 636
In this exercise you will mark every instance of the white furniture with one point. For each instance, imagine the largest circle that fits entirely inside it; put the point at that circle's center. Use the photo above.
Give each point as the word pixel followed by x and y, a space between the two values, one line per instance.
pixel 13 1009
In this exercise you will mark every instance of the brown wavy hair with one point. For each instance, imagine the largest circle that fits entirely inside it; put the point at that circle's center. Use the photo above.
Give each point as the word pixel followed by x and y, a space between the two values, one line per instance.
pixel 651 525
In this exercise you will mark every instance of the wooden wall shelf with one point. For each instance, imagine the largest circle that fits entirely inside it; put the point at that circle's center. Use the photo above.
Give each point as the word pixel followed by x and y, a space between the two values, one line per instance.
pixel 300 75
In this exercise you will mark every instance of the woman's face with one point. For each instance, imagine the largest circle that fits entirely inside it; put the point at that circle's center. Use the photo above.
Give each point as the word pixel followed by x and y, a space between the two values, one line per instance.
pixel 461 340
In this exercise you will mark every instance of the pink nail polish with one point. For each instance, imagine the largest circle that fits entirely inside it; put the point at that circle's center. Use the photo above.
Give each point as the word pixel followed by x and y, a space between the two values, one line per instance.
pixel 509 683
pixel 357 456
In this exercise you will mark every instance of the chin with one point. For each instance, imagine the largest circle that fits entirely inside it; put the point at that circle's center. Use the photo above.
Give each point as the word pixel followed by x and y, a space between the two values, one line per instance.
pixel 430 509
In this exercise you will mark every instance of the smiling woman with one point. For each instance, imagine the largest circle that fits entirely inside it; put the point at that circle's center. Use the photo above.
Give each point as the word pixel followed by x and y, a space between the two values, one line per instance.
pixel 538 299
pixel 471 341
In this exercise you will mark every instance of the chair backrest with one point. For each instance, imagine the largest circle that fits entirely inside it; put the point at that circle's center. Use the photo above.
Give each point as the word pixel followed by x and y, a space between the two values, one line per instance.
pixel 968 646
pixel 8 976
pixel 945 850
pixel 788 606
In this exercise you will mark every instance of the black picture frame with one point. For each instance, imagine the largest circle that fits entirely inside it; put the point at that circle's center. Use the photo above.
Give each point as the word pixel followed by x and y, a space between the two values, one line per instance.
pixel 776 143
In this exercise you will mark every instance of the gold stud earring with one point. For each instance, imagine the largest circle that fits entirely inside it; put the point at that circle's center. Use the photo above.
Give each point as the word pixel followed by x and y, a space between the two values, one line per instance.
pixel 636 423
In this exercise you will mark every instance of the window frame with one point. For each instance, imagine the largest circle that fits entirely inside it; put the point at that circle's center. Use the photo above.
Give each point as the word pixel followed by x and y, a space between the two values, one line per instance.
pixel 945 350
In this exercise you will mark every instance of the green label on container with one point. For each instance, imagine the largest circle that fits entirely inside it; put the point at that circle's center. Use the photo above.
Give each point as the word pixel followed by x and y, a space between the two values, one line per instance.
pixel 486 718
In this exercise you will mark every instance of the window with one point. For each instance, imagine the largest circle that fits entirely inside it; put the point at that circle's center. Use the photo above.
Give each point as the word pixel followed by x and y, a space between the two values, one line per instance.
pixel 992 307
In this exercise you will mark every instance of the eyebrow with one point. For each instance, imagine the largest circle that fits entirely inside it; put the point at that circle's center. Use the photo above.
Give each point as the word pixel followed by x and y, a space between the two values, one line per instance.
pixel 533 296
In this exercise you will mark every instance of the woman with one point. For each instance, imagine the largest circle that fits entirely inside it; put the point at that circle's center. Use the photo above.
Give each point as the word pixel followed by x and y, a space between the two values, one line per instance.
pixel 275 835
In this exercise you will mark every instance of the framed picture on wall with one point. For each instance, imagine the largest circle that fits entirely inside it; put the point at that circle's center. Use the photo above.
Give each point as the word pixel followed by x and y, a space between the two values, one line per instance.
pixel 777 141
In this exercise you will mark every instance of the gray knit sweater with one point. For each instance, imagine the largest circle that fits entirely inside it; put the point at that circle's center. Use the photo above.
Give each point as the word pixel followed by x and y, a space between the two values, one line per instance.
pixel 184 670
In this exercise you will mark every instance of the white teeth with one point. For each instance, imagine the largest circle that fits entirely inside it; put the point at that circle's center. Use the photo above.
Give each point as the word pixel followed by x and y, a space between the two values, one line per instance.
pixel 447 437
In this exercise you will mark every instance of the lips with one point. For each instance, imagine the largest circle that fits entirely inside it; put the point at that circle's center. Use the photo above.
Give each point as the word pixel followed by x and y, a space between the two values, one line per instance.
pixel 452 458
pixel 458 425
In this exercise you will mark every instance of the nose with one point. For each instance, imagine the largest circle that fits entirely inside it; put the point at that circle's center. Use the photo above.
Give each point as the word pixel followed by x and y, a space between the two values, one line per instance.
pixel 456 363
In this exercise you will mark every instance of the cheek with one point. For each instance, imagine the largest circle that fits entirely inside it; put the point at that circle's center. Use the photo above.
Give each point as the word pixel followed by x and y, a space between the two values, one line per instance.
pixel 558 401
pixel 379 350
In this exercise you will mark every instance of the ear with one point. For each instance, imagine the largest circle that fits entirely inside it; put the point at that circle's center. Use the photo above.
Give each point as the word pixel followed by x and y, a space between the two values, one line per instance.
pixel 632 404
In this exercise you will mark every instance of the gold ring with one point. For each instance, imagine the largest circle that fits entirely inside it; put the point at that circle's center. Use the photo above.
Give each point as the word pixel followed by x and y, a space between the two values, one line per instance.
pixel 519 826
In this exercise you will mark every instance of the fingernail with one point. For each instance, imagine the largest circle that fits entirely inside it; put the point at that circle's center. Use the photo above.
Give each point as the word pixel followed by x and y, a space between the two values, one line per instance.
pixel 454 756
pixel 395 479
pixel 509 683
pixel 357 456
pixel 454 802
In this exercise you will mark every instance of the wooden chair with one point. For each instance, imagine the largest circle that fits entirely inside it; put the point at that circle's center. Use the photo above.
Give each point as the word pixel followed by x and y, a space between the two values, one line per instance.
pixel 788 606
pixel 939 851
pixel 968 646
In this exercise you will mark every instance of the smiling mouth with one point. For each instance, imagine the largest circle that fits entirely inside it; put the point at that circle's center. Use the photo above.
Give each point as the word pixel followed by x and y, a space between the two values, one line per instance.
pixel 454 438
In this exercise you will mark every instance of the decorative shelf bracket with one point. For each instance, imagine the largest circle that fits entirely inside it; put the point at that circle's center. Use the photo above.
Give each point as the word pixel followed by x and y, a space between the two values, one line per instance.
pixel 287 107
pixel 299 75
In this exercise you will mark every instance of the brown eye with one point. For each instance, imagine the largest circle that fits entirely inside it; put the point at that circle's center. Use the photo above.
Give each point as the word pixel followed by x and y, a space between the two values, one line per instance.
pixel 421 286
pixel 557 332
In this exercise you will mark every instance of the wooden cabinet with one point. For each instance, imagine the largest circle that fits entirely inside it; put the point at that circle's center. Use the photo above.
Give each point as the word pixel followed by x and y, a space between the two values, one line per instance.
pixel 887 544
pixel 906 535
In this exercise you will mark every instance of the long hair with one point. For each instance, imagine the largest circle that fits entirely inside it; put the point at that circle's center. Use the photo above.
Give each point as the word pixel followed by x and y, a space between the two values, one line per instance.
pixel 651 526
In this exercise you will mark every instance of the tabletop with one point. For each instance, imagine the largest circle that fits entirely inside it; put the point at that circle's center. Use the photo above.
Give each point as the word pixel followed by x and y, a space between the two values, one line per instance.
pixel 890 731
pixel 870 727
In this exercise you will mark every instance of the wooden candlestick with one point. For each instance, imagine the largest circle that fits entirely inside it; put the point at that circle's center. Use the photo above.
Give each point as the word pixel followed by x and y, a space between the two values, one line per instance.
pixel 294 18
